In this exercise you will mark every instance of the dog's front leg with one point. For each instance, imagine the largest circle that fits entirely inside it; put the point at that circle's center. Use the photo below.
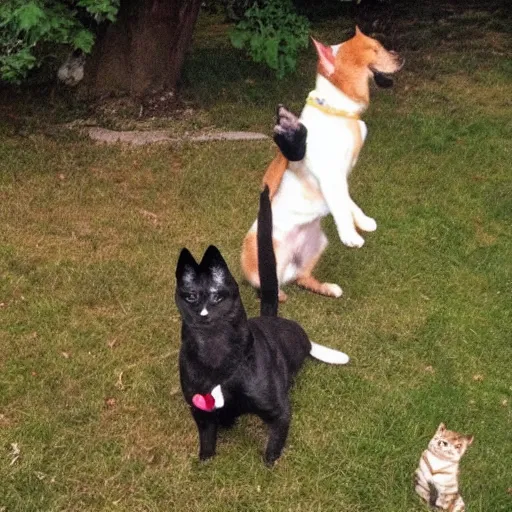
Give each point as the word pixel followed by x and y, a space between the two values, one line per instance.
pixel 361 220
pixel 334 188
pixel 207 428
pixel 290 135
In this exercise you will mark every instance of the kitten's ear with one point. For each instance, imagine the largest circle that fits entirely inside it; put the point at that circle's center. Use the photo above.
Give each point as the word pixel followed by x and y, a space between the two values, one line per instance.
pixel 187 267
pixel 469 439
pixel 441 428
pixel 214 263
pixel 213 258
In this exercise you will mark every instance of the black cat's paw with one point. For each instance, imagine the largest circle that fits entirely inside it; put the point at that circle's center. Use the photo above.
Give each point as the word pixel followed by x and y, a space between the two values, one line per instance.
pixel 205 455
pixel 271 457
pixel 270 461
pixel 290 135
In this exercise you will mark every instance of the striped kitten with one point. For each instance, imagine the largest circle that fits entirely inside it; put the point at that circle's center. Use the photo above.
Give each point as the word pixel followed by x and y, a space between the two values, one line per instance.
pixel 436 478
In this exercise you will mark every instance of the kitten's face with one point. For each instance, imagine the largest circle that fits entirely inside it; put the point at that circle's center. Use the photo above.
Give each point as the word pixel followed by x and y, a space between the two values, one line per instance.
pixel 449 445
pixel 205 292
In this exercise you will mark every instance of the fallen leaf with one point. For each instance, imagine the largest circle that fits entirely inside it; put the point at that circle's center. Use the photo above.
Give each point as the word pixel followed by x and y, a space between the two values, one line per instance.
pixel 119 384
pixel 110 402
pixel 15 453
pixel 149 215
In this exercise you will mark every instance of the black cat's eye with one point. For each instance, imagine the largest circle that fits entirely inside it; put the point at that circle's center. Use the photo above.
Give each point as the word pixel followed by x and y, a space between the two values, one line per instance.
pixel 190 297
pixel 215 298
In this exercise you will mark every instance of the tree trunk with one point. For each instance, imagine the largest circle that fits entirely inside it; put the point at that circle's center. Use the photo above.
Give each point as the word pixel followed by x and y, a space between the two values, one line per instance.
pixel 143 52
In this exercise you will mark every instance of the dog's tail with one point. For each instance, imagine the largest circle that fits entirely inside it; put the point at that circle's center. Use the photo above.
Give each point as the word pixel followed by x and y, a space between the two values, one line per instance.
pixel 267 268
pixel 327 355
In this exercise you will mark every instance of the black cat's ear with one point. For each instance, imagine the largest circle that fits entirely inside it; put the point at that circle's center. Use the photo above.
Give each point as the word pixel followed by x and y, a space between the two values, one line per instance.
pixel 212 258
pixel 187 267
pixel 214 263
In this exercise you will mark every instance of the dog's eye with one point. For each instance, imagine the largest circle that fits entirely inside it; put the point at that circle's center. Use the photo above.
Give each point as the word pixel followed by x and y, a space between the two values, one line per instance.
pixel 215 298
pixel 191 298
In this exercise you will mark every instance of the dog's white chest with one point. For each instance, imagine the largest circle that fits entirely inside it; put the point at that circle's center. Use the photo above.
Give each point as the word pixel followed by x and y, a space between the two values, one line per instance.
pixel 299 200
pixel 333 142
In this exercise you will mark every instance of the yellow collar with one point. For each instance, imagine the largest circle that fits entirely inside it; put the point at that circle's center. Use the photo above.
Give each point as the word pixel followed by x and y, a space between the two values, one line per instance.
pixel 326 109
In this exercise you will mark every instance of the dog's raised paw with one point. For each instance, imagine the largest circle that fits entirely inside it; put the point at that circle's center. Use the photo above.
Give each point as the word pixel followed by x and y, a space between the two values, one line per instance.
pixel 290 135
pixel 352 239
pixel 366 224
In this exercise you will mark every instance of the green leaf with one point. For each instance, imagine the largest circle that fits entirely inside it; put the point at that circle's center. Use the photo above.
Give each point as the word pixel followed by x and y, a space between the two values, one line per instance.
pixel 238 38
pixel 272 33
pixel 83 40
pixel 29 15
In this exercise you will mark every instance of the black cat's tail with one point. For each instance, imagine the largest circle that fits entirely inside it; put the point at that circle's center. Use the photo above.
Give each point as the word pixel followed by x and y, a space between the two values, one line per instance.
pixel 267 268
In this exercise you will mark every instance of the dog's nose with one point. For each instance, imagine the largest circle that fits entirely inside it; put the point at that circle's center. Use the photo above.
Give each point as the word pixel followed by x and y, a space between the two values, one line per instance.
pixel 398 58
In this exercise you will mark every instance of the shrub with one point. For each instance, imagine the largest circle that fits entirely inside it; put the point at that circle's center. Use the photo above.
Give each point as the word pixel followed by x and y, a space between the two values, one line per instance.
pixel 272 33
pixel 25 26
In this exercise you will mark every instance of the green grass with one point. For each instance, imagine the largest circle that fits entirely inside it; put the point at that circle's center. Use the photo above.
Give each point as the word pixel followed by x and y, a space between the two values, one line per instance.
pixel 89 387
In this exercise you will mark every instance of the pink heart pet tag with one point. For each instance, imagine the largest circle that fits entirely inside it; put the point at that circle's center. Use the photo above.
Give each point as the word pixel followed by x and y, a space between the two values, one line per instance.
pixel 204 402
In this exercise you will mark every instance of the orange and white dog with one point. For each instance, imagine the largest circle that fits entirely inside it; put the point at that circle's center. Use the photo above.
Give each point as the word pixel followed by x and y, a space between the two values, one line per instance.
pixel 305 191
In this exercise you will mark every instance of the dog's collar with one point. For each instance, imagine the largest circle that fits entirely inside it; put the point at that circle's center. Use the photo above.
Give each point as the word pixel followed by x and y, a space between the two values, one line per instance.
pixel 321 105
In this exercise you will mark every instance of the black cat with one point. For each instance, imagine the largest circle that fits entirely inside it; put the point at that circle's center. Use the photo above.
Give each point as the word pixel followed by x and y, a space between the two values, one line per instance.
pixel 231 365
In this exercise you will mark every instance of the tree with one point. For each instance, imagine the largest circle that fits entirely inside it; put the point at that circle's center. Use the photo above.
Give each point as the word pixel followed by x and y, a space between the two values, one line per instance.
pixel 143 51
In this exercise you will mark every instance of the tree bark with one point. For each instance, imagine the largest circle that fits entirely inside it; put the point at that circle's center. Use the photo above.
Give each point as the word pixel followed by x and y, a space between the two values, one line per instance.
pixel 142 53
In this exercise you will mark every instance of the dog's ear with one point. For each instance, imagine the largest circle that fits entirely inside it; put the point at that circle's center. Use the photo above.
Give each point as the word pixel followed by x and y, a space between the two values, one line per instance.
pixel 325 58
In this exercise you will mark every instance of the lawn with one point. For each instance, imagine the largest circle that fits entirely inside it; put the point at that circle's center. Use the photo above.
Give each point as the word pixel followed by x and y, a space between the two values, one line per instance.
pixel 91 414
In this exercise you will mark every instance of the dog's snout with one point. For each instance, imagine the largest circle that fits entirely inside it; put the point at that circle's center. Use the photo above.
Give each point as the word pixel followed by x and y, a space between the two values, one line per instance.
pixel 398 58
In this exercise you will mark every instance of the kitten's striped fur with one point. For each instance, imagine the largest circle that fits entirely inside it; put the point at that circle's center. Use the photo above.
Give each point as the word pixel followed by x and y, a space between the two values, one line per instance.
pixel 436 478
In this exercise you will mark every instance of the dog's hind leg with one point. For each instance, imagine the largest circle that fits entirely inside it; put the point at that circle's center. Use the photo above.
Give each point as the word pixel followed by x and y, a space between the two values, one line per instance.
pixel 315 243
